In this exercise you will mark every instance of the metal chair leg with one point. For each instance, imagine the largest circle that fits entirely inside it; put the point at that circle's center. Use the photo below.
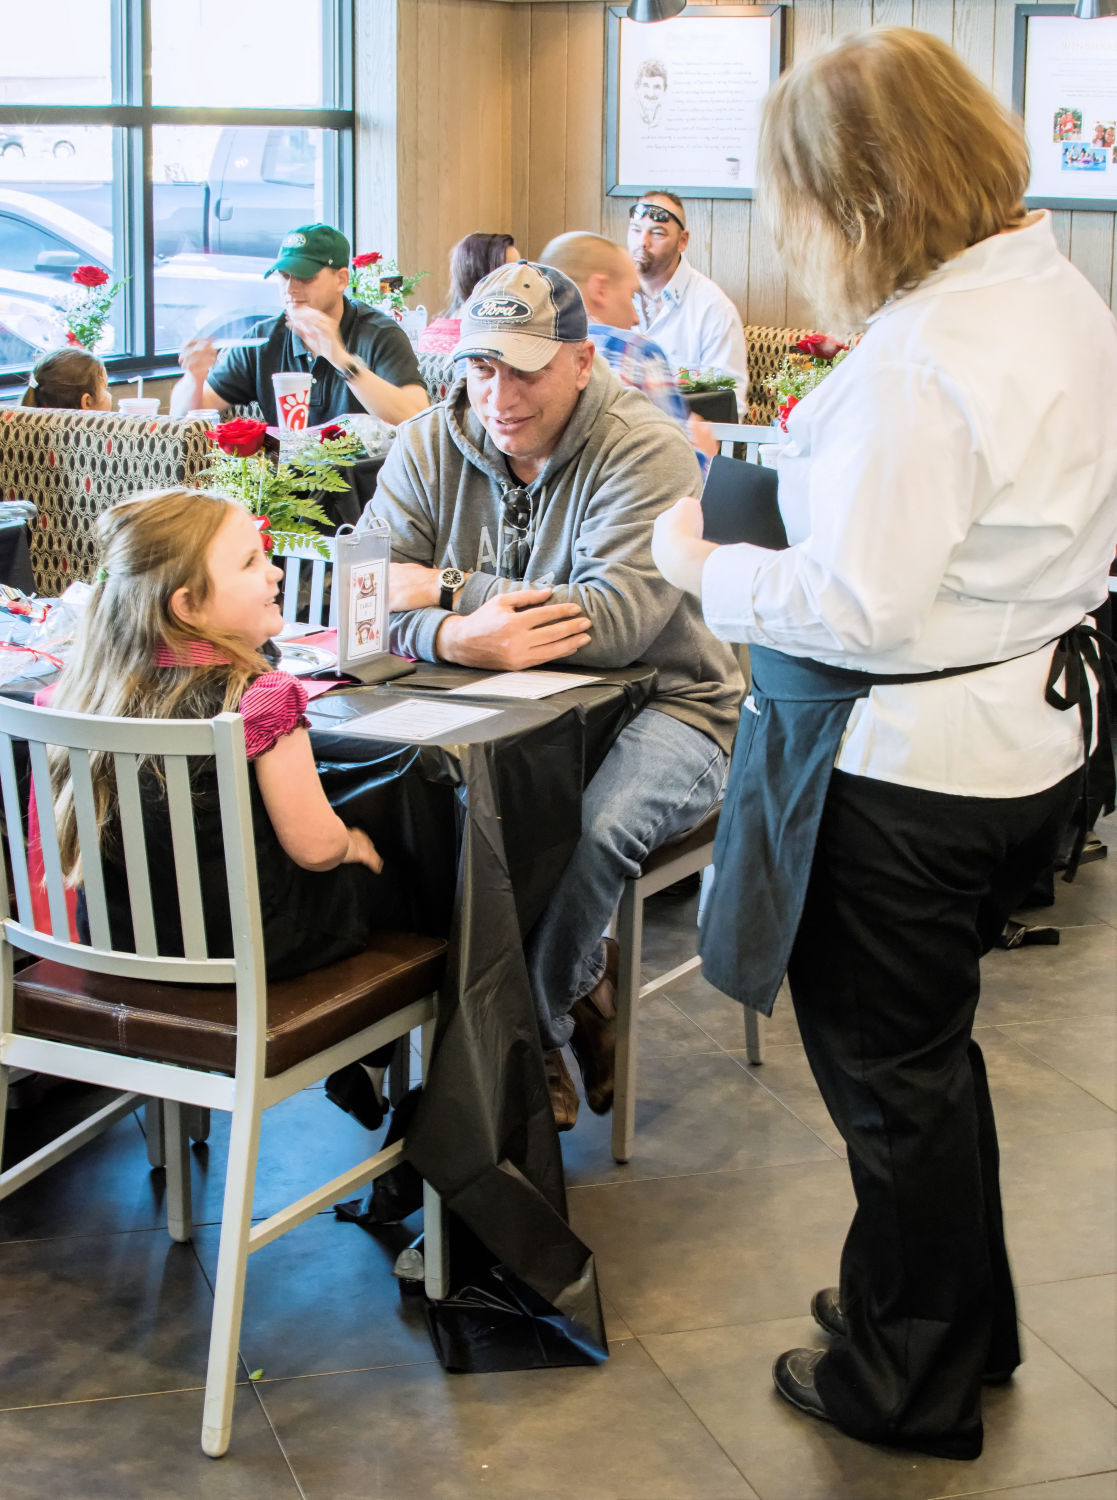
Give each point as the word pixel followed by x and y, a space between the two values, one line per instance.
pixel 753 1049
pixel 5 1076
pixel 399 1071
pixel 630 935
pixel 177 1143
pixel 153 1132
pixel 196 1118
pixel 704 892
pixel 436 1259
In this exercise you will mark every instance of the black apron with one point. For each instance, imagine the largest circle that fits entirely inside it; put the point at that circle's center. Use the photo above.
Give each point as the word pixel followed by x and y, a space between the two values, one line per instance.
pixel 783 757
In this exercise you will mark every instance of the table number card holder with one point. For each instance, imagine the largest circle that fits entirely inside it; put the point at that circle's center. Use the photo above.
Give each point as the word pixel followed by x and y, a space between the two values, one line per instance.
pixel 359 604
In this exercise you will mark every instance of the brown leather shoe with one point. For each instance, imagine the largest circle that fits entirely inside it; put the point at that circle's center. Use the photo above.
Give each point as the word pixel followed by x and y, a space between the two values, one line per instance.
pixel 594 1041
pixel 560 1086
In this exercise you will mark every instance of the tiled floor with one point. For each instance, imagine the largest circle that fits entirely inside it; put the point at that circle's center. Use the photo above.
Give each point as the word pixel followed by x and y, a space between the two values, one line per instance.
pixel 709 1244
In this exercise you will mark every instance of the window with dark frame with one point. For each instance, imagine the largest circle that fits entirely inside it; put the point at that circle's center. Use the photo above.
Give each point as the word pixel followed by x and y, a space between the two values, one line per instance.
pixel 171 143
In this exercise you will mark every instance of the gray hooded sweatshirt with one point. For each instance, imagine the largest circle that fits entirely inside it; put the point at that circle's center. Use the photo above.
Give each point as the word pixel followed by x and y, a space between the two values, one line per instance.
pixel 619 462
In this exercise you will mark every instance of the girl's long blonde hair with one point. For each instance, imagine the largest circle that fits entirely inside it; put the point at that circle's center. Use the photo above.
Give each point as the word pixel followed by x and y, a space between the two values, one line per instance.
pixel 151 546
pixel 880 159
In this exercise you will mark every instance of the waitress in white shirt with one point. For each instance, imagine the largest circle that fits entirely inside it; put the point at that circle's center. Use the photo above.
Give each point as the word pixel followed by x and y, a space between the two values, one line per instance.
pixel 905 765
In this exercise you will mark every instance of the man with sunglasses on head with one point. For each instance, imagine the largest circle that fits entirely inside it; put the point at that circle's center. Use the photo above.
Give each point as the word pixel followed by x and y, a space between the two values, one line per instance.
pixel 688 315
pixel 521 511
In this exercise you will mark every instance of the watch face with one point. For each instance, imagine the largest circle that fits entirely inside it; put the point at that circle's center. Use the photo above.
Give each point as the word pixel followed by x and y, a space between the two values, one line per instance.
pixel 451 578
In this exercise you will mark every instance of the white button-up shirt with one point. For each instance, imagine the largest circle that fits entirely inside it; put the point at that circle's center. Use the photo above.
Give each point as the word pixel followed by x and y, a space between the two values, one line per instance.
pixel 950 497
pixel 696 326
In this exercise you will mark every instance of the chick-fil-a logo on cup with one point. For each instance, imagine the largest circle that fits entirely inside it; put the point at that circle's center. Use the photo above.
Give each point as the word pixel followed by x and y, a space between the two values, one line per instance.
pixel 292 399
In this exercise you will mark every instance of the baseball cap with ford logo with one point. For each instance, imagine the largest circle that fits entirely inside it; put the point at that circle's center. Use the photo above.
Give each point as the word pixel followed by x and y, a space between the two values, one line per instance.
pixel 307 250
pixel 520 314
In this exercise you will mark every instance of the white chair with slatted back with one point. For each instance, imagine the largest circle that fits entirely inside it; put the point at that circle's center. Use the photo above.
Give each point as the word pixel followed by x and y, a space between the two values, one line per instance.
pixel 729 434
pixel 191 1030
pixel 296 599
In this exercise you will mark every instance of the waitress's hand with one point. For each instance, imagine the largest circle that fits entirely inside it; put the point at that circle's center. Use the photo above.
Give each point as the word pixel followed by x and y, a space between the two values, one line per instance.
pixel 678 549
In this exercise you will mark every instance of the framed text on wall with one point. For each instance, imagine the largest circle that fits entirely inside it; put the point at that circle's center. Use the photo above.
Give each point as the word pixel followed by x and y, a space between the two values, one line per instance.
pixel 683 99
pixel 1064 84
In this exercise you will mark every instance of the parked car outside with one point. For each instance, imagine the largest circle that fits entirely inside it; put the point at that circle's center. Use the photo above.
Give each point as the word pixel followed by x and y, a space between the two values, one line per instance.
pixel 41 244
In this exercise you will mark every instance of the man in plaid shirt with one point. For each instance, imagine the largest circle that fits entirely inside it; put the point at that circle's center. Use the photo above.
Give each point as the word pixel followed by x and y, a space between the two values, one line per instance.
pixel 604 274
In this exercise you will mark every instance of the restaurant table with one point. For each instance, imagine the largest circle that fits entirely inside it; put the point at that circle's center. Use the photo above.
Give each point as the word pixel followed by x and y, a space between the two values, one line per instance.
pixel 713 406
pixel 344 507
pixel 15 553
pixel 477 827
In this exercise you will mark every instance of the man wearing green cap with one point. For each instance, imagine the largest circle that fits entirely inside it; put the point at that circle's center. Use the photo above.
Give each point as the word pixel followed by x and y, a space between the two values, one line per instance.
pixel 360 358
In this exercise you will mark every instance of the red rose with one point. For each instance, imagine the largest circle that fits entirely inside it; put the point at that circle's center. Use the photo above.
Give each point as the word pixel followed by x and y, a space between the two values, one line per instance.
pixel 263 526
pixel 90 276
pixel 785 410
pixel 240 439
pixel 372 258
pixel 72 338
pixel 333 431
pixel 819 346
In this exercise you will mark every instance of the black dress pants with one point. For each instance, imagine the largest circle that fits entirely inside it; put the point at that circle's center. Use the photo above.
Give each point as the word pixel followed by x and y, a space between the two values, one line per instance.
pixel 907 889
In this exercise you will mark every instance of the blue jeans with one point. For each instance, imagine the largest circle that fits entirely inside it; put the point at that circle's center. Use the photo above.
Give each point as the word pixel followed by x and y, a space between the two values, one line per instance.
pixel 660 778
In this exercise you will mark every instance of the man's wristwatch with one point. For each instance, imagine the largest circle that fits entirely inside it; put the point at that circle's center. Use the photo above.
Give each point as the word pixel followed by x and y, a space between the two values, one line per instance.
pixel 449 580
pixel 353 367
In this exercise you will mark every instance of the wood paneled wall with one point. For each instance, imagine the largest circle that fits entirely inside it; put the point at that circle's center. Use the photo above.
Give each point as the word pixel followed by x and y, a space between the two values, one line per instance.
pixel 499 110
pixel 437 138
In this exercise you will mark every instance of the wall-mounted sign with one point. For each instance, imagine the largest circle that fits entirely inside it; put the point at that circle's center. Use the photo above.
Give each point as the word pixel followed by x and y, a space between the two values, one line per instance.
pixel 1064 83
pixel 683 99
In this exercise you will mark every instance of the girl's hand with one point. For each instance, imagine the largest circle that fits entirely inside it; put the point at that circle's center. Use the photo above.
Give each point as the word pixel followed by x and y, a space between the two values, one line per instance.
pixel 362 851
pixel 678 550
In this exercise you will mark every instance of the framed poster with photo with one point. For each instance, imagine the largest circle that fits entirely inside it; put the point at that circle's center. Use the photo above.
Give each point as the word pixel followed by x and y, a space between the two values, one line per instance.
pixel 1064 84
pixel 683 99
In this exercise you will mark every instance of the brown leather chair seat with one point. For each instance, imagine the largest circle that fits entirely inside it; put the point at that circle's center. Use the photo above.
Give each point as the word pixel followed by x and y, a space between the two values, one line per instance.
pixel 694 838
pixel 197 1026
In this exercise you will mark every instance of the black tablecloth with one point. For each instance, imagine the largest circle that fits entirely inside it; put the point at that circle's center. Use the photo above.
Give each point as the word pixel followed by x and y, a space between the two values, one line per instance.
pixel 479 830
pixel 15 556
pixel 344 507
pixel 714 406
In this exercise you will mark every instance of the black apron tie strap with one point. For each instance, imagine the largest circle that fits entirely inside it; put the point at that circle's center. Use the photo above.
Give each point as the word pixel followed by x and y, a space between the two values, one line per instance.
pixel 1081 654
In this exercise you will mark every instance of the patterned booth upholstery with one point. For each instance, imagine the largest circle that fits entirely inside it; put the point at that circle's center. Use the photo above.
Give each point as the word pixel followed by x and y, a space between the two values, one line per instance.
pixel 766 349
pixel 73 465
pixel 438 374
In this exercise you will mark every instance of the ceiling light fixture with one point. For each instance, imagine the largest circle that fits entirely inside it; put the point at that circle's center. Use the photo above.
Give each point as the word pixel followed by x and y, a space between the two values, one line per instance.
pixel 656 10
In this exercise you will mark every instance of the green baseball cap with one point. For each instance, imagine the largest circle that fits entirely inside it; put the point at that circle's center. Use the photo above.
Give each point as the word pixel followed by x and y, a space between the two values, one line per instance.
pixel 306 250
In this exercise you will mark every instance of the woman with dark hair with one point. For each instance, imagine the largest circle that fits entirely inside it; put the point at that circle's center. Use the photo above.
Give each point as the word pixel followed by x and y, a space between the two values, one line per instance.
pixel 471 260
pixel 71 378
pixel 925 687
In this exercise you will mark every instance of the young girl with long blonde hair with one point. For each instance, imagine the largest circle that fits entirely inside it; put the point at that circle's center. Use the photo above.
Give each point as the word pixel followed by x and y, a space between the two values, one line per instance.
pixel 177 627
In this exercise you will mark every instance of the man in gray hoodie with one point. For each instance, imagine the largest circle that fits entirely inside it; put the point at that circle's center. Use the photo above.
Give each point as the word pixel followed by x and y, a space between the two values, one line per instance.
pixel 521 512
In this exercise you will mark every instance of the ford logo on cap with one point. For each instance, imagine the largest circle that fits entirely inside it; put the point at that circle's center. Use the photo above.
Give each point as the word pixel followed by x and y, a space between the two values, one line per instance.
pixel 501 310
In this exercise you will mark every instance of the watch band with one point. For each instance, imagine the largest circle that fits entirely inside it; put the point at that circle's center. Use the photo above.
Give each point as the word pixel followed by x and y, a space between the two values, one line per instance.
pixel 353 367
pixel 446 598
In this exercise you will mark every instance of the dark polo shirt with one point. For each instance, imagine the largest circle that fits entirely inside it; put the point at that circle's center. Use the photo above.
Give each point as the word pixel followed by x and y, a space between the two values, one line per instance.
pixel 244 375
